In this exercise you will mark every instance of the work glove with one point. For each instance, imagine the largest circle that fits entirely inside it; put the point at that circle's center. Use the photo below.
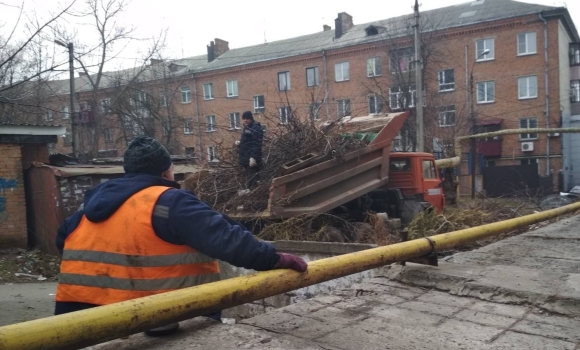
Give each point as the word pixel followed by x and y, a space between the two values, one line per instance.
pixel 289 261
pixel 253 162
pixel 237 142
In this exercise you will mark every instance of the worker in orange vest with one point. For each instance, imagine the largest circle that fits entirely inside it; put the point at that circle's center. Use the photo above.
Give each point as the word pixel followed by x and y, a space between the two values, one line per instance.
pixel 141 235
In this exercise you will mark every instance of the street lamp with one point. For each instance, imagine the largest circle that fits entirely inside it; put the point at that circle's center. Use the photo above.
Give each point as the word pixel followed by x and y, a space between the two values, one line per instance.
pixel 72 92
pixel 473 150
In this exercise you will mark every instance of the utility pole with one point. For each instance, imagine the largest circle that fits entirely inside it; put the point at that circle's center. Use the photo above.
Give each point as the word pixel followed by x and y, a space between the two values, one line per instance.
pixel 72 115
pixel 418 84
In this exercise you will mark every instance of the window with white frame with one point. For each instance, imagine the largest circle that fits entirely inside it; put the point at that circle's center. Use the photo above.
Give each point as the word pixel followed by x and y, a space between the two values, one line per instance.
pixel 163 100
pixel 527 43
pixel 374 68
pixel 402 60
pixel 575 54
pixel 68 137
pixel 48 115
pixel 210 124
pixel 575 91
pixel 447 116
pixel 312 77
pixel 138 100
pixel 185 94
pixel 485 91
pixel 212 154
pixel 343 107
pixel 105 105
pixel 482 45
pixel 108 135
pixel 188 126
pixel 447 80
pixel 259 105
pixel 208 91
pixel 64 114
pixel 528 123
pixel 314 110
pixel 398 97
pixel 528 87
pixel 285 114
pixel 283 81
pixel 232 88
pixel 341 71
pixel 375 104
pixel 235 121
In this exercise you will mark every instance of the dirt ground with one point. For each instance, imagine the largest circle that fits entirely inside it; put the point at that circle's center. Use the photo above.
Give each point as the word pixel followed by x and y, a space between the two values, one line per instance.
pixel 26 266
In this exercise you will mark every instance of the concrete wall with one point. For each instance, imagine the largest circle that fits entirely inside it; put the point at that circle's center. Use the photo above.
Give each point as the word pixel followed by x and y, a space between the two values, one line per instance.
pixel 309 251
pixel 12 198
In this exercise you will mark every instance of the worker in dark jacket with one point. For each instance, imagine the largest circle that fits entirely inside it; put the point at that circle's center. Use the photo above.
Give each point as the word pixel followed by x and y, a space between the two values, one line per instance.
pixel 250 148
pixel 141 235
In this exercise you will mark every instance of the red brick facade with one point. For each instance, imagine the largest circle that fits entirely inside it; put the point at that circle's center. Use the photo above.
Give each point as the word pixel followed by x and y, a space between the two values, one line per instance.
pixel 12 197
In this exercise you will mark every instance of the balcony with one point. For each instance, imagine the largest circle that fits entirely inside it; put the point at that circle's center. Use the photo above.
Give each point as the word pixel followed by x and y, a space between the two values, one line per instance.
pixel 489 148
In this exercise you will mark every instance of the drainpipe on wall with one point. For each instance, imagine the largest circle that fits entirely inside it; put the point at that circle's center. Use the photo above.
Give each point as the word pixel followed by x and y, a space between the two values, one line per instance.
pixel 197 117
pixel 547 109
pixel 325 83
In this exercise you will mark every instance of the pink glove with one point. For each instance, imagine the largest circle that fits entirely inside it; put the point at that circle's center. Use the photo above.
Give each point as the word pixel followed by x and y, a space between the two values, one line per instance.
pixel 289 261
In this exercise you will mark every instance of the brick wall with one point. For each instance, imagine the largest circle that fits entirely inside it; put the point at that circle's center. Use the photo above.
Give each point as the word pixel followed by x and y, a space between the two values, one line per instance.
pixel 12 198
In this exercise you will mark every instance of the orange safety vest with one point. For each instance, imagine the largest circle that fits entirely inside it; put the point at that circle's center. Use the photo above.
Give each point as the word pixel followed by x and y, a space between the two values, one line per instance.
pixel 122 258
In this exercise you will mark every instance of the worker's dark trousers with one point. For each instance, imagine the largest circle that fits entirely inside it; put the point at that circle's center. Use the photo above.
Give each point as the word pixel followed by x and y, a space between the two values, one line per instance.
pixel 252 176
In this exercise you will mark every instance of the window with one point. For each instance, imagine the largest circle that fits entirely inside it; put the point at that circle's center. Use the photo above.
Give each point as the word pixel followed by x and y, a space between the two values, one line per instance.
pixel 485 91
pixel 189 151
pixel 232 88
pixel 49 115
pixel 429 170
pixel 312 77
pixel 314 110
pixel 235 120
pixel 343 107
pixel 163 100
pixel 188 126
pixel 165 127
pixel 105 105
pixel 285 114
pixel 259 104
pixel 575 91
pixel 64 112
pixel 526 43
pixel 399 165
pixel 528 123
pixel 208 91
pixel 447 116
pixel 341 71
pixel 185 94
pixel 401 60
pixel 210 124
pixel 374 68
pixel 67 137
pixel 283 81
pixel 528 87
pixel 108 133
pixel 574 54
pixel 138 100
pixel 446 80
pixel 481 46
pixel 375 104
pixel 398 97
pixel 528 161
pixel 212 154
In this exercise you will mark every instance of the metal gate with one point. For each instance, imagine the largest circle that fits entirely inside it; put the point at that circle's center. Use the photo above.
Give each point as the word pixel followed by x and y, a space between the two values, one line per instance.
pixel 571 152
pixel 515 181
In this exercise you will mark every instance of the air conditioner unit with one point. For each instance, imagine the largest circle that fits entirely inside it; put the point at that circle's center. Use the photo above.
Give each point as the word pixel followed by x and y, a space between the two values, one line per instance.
pixel 553 134
pixel 527 146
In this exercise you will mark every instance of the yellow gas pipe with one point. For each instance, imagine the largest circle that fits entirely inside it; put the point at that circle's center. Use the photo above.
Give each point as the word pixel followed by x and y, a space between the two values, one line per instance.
pixel 100 324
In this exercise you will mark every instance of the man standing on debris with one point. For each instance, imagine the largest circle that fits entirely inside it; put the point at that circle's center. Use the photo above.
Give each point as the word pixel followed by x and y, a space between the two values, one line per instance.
pixel 141 235
pixel 250 148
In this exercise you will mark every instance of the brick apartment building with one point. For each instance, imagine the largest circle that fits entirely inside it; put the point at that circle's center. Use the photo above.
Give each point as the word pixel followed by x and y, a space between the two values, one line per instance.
pixel 518 64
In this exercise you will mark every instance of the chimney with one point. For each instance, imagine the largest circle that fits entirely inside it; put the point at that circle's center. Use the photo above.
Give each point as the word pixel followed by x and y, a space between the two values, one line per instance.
pixel 326 27
pixel 216 48
pixel 342 24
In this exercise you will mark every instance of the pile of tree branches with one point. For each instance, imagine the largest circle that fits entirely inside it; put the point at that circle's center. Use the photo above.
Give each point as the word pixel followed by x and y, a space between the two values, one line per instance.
pixel 219 186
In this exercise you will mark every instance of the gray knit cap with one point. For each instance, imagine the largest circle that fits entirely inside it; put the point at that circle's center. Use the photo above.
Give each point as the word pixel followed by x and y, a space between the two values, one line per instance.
pixel 146 155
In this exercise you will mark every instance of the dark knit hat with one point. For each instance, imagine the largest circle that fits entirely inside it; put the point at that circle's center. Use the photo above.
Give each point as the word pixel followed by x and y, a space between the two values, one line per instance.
pixel 146 155
pixel 247 115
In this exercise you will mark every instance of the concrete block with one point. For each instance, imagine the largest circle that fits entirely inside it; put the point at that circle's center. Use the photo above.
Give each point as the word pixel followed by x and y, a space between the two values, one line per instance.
pixel 514 311
pixel 445 299
pixel 436 309
pixel 568 333
pixel 514 340
pixel 484 318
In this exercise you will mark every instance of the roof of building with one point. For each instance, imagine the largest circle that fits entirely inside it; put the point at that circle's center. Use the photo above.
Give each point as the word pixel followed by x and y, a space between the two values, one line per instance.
pixel 467 13
pixel 69 171
pixel 31 129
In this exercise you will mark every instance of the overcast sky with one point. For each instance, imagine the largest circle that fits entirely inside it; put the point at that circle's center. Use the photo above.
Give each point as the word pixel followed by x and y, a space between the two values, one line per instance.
pixel 193 24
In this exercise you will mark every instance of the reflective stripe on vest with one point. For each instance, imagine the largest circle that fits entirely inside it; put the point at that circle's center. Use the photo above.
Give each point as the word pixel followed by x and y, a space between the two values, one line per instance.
pixel 122 258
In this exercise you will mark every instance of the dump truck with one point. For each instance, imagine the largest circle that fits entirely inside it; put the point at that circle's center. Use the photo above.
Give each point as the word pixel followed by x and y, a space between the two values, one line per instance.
pixel 373 178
